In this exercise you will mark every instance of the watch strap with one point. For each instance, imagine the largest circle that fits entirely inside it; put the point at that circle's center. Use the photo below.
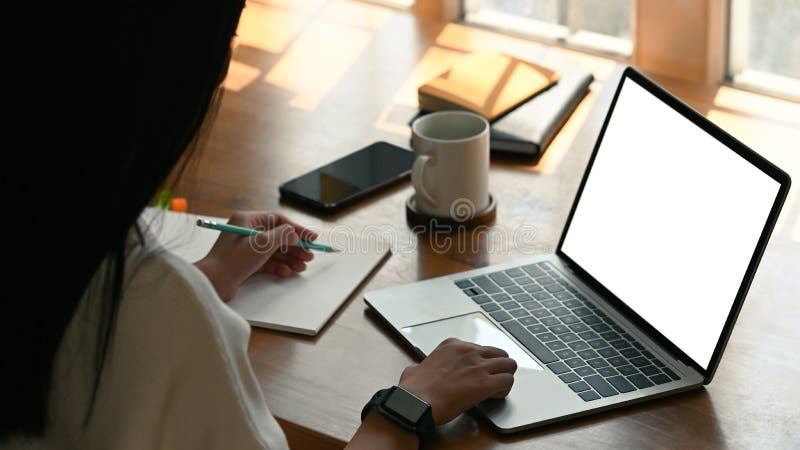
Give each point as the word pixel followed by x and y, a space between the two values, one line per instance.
pixel 424 427
pixel 378 397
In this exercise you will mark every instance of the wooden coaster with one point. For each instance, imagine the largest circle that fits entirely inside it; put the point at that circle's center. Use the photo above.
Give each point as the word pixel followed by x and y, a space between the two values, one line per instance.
pixel 416 218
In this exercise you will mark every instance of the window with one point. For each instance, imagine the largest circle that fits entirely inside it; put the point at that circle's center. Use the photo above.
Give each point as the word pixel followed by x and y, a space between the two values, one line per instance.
pixel 596 25
pixel 395 3
pixel 764 52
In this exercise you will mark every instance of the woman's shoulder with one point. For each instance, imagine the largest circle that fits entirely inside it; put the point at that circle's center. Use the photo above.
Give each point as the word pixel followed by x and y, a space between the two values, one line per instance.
pixel 173 326
pixel 159 282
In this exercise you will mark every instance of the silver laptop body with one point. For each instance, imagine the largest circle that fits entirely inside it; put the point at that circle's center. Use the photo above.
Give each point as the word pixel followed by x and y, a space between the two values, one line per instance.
pixel 585 337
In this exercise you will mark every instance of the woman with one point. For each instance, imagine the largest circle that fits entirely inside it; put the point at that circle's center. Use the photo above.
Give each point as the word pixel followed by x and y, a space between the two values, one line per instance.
pixel 109 341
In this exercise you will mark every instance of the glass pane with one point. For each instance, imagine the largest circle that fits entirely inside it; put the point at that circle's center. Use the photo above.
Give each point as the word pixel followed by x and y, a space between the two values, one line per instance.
pixel 602 25
pixel 396 3
pixel 765 46
pixel 544 10
pixel 608 17
pixel 774 38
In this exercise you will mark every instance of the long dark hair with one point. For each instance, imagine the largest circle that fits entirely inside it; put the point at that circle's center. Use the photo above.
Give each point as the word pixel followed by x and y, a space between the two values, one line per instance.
pixel 102 100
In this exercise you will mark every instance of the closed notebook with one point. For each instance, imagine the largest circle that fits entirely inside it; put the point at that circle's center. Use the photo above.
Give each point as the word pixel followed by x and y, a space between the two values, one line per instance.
pixel 300 304
pixel 529 129
pixel 487 83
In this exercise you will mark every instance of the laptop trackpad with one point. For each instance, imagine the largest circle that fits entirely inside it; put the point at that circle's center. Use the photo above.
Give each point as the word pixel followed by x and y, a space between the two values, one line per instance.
pixel 475 328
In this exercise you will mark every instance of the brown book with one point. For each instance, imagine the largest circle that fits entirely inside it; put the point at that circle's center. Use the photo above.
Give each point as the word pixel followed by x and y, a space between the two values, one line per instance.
pixel 488 83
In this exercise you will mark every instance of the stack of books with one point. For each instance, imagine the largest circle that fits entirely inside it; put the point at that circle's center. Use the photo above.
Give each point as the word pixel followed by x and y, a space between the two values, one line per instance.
pixel 526 103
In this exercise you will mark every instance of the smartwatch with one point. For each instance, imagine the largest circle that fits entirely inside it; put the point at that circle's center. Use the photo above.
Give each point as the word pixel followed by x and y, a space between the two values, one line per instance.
pixel 405 410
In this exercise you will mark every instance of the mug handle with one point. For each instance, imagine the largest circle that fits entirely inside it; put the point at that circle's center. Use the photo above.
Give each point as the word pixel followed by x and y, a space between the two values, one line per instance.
pixel 418 181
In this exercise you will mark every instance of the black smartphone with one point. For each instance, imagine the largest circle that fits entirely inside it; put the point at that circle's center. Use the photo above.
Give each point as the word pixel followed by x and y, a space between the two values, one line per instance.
pixel 350 178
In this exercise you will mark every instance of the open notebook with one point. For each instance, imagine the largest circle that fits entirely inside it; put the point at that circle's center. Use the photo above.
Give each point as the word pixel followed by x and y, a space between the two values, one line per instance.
pixel 299 304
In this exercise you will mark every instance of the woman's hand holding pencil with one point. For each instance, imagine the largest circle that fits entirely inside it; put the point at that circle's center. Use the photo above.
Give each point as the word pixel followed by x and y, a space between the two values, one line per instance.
pixel 253 242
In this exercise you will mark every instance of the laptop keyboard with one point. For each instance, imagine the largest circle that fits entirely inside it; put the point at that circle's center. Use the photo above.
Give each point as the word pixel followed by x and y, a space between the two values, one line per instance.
pixel 588 351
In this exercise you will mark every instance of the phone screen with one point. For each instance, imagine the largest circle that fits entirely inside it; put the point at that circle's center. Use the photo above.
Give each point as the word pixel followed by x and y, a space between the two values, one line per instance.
pixel 347 178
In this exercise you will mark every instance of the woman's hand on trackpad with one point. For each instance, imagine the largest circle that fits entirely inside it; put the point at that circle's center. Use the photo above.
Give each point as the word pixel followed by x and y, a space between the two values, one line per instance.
pixel 458 375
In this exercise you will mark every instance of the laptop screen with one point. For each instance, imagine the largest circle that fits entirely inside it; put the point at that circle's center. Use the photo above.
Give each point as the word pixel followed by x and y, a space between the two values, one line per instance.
pixel 668 220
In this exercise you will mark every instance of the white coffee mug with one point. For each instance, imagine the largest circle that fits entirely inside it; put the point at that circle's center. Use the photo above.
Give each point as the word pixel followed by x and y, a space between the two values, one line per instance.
pixel 451 170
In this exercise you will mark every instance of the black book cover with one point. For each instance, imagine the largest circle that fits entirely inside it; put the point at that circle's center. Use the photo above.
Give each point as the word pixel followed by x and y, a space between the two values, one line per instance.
pixel 529 129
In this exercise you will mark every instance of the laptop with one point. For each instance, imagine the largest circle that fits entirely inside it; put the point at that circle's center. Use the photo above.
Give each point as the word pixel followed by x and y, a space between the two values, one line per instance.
pixel 640 297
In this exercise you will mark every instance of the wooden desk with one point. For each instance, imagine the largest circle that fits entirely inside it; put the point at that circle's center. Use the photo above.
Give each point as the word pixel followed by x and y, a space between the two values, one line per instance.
pixel 311 81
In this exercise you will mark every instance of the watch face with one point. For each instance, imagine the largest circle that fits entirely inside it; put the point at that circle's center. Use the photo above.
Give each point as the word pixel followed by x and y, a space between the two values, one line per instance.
pixel 406 405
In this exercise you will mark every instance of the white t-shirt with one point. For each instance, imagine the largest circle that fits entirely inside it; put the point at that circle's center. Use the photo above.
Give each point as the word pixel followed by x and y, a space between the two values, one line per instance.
pixel 176 373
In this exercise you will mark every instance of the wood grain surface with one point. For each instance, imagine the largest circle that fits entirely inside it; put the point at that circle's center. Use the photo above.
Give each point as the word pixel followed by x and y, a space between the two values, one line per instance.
pixel 311 81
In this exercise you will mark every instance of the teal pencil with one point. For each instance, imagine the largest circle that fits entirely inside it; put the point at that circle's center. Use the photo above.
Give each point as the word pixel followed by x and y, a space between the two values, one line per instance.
pixel 242 231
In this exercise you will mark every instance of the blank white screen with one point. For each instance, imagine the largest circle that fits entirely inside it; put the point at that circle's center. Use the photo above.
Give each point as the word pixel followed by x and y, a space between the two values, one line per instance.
pixel 668 220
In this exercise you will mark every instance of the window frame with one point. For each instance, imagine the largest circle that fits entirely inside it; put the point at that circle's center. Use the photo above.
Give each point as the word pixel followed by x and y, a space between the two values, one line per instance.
pixel 738 74
pixel 558 34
